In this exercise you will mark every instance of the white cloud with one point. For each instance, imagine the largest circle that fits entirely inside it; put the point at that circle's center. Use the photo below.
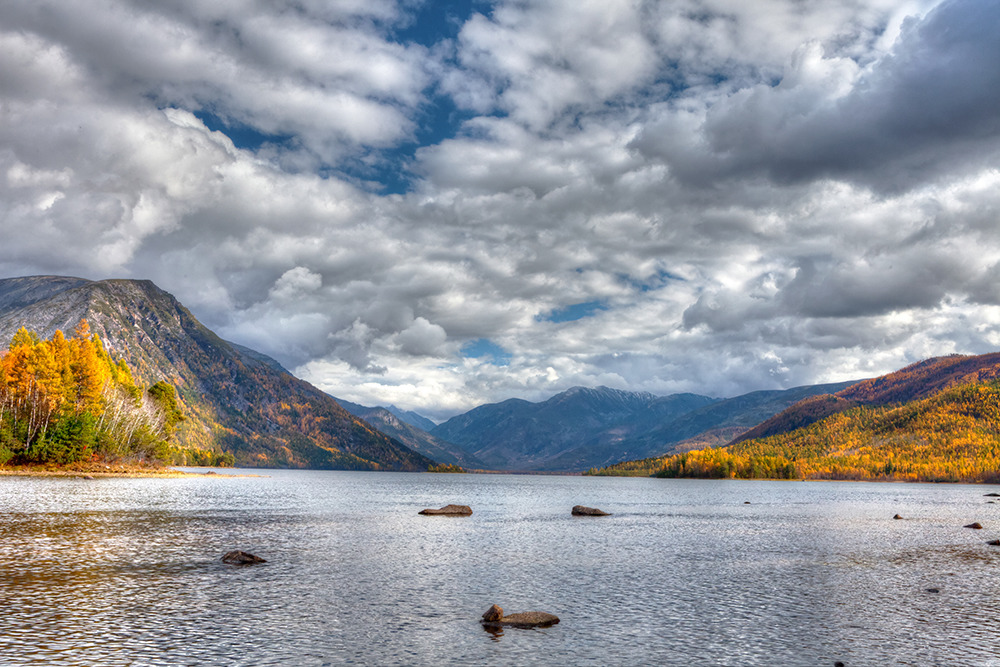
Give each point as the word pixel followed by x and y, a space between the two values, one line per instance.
pixel 756 194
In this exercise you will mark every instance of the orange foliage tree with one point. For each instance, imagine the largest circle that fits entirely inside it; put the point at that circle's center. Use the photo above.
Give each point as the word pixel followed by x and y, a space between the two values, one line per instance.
pixel 63 400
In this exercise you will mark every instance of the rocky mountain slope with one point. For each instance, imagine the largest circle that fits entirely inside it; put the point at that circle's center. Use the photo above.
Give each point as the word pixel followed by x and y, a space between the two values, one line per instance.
pixel 235 399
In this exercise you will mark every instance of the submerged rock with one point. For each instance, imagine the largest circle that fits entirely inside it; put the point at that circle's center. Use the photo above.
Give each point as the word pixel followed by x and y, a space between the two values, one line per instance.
pixel 580 510
pixel 975 525
pixel 241 558
pixel 494 617
pixel 449 510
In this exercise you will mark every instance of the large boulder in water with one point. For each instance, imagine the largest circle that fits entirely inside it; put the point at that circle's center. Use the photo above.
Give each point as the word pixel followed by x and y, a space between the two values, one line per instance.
pixel 580 510
pixel 494 618
pixel 241 558
pixel 529 619
pixel 449 510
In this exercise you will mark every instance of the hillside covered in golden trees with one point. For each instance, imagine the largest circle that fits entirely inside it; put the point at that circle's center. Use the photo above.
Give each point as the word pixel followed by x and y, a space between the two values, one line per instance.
pixel 65 400
pixel 950 436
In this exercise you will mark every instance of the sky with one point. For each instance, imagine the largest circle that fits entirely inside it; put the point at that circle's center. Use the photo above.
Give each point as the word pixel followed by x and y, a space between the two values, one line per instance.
pixel 442 204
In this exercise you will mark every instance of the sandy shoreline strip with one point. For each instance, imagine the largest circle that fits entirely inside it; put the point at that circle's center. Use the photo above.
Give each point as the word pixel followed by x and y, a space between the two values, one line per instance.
pixel 111 471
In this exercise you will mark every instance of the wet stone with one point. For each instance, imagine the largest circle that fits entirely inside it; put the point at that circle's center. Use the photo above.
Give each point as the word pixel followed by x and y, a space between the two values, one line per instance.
pixel 448 510
pixel 580 510
pixel 241 558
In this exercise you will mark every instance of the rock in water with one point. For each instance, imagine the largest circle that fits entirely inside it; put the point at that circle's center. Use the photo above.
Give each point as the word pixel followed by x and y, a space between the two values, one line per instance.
pixel 526 619
pixel 975 525
pixel 580 510
pixel 529 619
pixel 897 517
pixel 494 613
pixel 449 510
pixel 241 558
pixel 994 543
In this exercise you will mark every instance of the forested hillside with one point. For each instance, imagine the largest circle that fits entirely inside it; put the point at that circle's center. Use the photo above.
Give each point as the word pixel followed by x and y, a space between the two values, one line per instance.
pixel 916 381
pixel 64 400
pixel 953 436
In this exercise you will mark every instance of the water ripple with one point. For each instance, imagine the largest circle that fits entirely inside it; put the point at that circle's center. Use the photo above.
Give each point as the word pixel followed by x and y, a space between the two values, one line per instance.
pixel 127 572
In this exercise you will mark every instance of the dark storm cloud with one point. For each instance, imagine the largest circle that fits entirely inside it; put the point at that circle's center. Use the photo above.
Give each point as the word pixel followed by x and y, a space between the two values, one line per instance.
pixel 929 108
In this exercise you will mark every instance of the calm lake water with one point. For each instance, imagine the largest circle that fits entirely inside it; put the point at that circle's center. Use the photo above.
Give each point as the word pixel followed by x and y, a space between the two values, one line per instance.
pixel 128 571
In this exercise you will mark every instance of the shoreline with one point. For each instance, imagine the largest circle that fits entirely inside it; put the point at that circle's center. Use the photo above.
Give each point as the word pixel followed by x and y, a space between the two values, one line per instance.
pixel 106 471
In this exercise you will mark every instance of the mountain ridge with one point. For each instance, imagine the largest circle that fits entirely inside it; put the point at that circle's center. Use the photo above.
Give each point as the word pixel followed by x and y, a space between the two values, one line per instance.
pixel 913 382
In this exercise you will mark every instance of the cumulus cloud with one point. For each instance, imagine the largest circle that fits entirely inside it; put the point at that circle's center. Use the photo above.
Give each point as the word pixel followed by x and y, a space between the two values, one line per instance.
pixel 758 195
pixel 324 76
pixel 928 108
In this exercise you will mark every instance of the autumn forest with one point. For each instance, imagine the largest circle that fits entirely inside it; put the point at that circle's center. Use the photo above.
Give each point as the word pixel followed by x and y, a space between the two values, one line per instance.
pixel 66 400
pixel 950 436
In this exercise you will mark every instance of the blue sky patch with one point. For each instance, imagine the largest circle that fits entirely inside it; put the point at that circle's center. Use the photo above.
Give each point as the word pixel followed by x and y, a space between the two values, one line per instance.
pixel 660 279
pixel 437 20
pixel 577 311
pixel 242 136
pixel 484 347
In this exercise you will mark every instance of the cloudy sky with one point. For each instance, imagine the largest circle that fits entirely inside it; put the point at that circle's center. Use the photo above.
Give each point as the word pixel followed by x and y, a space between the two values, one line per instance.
pixel 440 204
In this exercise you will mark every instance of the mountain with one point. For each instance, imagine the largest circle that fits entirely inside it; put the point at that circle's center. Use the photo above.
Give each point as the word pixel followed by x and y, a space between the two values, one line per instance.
pixel 388 421
pixel 718 423
pixel 951 435
pixel 916 381
pixel 935 420
pixel 568 432
pixel 412 418
pixel 591 428
pixel 234 399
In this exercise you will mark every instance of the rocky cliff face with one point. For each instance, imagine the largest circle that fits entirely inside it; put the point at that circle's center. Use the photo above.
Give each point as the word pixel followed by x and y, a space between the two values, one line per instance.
pixel 235 399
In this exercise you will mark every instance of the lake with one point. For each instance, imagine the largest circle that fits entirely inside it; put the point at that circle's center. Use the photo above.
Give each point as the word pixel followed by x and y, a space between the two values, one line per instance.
pixel 685 572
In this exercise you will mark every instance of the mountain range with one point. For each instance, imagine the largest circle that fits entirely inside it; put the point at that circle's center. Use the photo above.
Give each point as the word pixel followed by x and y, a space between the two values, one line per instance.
pixel 244 402
pixel 583 428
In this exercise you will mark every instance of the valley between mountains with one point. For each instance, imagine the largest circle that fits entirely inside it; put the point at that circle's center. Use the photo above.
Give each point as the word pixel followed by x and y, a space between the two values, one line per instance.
pixel 938 419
